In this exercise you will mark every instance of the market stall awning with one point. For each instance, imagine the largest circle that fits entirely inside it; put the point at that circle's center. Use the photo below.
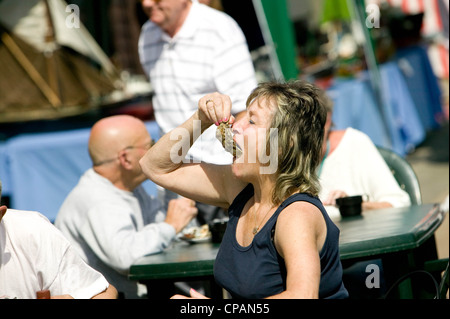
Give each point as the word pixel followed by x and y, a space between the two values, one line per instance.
pixel 49 69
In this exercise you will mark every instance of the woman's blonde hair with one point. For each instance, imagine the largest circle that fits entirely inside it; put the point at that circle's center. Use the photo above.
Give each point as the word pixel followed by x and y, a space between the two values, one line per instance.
pixel 299 119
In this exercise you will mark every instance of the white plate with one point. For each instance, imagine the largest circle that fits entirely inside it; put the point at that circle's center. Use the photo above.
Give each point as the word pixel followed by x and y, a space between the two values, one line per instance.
pixel 196 240
pixel 202 232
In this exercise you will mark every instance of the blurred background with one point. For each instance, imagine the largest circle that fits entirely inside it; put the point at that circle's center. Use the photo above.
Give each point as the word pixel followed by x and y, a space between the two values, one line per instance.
pixel 64 65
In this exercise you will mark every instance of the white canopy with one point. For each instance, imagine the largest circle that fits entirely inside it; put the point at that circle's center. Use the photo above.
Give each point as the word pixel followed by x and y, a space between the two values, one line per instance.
pixel 25 19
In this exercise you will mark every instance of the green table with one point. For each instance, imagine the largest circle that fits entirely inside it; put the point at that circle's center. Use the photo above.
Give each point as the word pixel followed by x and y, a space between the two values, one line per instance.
pixel 387 231
pixel 402 237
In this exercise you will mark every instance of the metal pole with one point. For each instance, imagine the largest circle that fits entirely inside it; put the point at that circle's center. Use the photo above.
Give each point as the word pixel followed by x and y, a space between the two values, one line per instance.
pixel 358 9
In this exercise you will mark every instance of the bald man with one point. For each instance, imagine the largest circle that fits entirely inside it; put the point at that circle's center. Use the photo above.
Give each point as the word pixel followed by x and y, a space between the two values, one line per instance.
pixel 108 216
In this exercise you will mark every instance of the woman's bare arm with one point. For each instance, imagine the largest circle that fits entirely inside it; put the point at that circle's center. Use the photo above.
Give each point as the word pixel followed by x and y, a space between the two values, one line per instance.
pixel 300 228
pixel 207 183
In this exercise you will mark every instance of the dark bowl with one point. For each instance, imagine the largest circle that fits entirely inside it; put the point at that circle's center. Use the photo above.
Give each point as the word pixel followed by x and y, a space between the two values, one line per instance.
pixel 350 206
pixel 217 228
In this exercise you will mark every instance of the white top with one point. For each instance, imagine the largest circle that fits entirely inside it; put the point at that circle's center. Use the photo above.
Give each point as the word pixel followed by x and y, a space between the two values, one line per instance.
pixel 34 256
pixel 357 168
pixel 208 54
pixel 112 228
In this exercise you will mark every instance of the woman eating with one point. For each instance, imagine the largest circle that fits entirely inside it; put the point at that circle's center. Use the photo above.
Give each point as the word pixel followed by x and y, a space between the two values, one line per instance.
pixel 279 242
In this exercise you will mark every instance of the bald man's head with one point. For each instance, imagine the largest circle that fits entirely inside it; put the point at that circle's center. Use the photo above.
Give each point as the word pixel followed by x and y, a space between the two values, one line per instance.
pixel 112 134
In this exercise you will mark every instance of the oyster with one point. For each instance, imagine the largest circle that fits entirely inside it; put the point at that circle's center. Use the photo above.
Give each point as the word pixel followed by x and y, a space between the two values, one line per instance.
pixel 224 135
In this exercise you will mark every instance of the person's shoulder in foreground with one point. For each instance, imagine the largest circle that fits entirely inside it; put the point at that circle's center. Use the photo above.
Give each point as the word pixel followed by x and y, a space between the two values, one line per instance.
pixel 38 257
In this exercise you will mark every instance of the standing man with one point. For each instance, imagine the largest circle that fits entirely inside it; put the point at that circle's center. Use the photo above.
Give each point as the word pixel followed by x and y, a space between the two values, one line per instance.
pixel 189 49
pixel 108 216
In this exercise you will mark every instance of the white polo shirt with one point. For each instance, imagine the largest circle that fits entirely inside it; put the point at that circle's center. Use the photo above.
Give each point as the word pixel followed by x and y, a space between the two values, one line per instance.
pixel 35 256
pixel 208 54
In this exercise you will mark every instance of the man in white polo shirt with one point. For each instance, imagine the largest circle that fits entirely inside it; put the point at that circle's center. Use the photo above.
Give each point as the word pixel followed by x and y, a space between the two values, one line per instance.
pixel 189 49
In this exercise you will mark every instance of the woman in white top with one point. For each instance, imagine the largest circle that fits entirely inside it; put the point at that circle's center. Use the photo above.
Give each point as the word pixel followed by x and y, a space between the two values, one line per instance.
pixel 351 166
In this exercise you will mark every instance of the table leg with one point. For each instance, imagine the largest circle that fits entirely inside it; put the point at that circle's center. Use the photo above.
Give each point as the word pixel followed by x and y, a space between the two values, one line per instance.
pixel 160 289
pixel 420 284
pixel 424 287
pixel 215 291
pixel 395 266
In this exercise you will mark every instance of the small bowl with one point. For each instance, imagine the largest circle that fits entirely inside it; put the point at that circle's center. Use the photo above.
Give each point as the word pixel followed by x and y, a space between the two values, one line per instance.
pixel 350 206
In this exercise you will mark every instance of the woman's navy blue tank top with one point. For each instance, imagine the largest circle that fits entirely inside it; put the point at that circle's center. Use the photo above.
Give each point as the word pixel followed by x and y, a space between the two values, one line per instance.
pixel 258 271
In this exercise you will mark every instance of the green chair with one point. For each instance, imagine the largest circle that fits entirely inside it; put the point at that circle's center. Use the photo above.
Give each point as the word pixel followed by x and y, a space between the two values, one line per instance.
pixel 403 173
pixel 443 287
pixel 407 179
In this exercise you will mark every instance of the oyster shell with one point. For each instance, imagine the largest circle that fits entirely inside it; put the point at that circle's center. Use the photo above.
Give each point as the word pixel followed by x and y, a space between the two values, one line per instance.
pixel 224 135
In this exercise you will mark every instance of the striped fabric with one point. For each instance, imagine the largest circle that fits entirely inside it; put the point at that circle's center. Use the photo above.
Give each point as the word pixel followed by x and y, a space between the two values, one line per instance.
pixel 436 13
pixel 435 24
pixel 432 18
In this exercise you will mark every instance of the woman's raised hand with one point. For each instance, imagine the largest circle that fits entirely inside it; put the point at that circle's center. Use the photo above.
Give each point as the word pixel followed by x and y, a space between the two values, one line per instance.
pixel 215 108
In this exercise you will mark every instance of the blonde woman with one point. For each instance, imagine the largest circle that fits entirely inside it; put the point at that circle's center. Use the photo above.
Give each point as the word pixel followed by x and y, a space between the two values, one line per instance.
pixel 280 242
